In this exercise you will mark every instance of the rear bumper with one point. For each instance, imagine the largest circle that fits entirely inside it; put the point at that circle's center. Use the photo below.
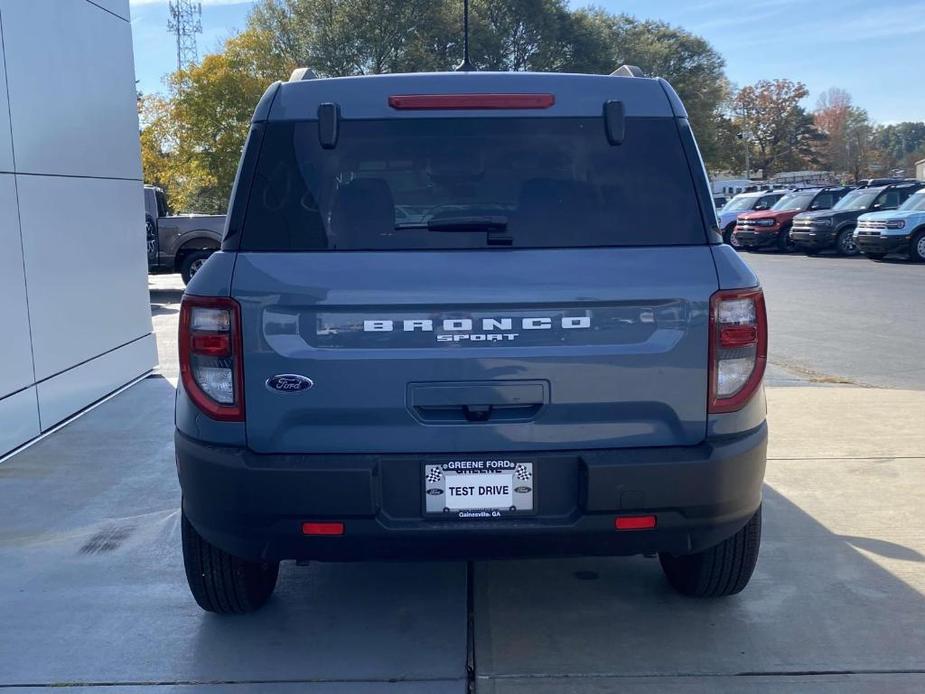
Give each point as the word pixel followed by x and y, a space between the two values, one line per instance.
pixel 814 239
pixel 253 505
pixel 883 244
pixel 756 239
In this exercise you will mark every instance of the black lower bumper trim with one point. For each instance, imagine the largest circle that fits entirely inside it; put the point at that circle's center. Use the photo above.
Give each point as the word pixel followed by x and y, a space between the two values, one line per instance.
pixel 756 240
pixel 818 240
pixel 884 245
pixel 252 505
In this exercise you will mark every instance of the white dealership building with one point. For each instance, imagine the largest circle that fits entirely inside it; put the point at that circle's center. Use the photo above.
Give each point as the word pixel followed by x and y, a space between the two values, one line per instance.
pixel 75 322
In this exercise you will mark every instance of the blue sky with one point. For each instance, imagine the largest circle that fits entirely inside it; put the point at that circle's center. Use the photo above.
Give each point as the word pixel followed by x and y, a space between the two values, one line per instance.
pixel 873 48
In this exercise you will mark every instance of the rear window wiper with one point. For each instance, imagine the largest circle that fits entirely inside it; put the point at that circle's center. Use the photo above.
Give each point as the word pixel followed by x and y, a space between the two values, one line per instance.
pixel 494 226
pixel 475 223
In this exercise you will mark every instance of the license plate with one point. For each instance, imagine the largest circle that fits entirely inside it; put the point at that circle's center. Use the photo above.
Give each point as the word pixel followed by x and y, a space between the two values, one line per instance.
pixel 478 488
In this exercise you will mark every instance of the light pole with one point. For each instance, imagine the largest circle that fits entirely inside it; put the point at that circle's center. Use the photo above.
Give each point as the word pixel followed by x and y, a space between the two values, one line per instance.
pixel 746 138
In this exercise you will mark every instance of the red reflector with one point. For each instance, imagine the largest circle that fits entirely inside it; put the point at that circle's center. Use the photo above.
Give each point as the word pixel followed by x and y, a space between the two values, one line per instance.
pixel 634 522
pixel 211 344
pixel 738 335
pixel 470 101
pixel 322 528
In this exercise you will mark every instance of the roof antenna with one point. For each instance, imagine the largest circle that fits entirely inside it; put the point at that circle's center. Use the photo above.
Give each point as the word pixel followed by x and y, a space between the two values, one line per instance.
pixel 465 65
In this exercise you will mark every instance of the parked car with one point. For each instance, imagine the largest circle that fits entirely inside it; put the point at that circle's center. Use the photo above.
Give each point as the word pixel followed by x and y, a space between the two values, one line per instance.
pixel 896 231
pixel 719 201
pixel 489 377
pixel 816 231
pixel 771 228
pixel 755 201
pixel 179 243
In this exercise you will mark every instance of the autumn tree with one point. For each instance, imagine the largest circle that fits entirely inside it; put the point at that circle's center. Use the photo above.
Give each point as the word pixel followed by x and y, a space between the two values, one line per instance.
pixel 779 131
pixel 831 117
pixel 157 142
pixel 191 142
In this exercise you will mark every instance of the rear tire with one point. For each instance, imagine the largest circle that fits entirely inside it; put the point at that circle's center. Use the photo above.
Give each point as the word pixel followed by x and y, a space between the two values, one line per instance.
pixel 191 264
pixel 223 583
pixel 718 571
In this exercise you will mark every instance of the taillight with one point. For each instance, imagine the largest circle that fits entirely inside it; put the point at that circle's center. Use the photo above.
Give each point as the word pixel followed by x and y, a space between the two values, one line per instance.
pixel 738 348
pixel 210 356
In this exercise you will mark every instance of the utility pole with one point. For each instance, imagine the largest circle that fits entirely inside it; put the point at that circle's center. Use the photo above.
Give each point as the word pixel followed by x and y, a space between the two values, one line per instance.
pixel 185 22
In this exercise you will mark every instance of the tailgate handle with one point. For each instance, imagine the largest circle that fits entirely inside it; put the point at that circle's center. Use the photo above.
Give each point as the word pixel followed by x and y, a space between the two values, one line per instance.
pixel 477 402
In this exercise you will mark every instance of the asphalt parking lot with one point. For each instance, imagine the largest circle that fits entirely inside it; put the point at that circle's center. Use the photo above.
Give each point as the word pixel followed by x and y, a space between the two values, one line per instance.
pixel 844 320
pixel 93 597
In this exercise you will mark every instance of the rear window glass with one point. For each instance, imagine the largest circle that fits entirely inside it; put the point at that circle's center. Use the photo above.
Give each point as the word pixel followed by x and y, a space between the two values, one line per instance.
pixel 445 183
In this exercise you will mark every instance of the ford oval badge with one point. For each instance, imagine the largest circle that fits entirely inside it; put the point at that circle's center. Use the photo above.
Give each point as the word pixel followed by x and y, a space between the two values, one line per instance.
pixel 289 383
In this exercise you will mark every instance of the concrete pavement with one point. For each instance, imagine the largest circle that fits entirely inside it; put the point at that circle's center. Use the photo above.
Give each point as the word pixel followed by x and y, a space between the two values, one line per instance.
pixel 839 588
pixel 92 589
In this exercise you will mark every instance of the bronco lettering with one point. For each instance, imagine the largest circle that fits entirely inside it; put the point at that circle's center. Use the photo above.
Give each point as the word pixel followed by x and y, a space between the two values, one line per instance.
pixel 467 324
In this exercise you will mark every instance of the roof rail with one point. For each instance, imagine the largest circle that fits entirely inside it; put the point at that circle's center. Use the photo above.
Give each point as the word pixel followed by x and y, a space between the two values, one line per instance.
pixel 302 73
pixel 627 71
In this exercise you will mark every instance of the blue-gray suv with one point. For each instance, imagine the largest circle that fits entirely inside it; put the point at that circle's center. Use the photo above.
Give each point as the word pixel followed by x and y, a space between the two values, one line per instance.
pixel 470 315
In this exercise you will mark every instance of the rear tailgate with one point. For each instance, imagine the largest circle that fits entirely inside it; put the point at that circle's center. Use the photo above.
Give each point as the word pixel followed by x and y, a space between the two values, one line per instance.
pixel 476 351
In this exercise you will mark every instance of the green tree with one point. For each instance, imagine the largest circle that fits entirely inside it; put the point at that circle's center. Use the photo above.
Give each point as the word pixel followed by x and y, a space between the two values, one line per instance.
pixel 514 35
pixel 897 146
pixel 687 61
pixel 337 38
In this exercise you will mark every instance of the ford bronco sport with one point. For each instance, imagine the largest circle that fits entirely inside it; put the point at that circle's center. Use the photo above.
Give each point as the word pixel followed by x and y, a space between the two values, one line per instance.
pixel 771 229
pixel 755 201
pixel 816 231
pixel 896 231
pixel 450 319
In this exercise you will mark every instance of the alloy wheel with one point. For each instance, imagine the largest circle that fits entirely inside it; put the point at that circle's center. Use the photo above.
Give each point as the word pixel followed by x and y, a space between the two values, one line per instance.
pixel 920 247
pixel 846 244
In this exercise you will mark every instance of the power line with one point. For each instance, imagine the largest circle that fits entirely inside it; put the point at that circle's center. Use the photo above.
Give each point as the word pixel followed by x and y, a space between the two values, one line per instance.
pixel 185 22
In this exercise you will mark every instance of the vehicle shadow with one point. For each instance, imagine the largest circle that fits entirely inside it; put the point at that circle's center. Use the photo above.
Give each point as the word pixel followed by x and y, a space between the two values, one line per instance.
pixel 814 604
pixel 162 310
pixel 832 255
pixel 898 260
pixel 165 296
